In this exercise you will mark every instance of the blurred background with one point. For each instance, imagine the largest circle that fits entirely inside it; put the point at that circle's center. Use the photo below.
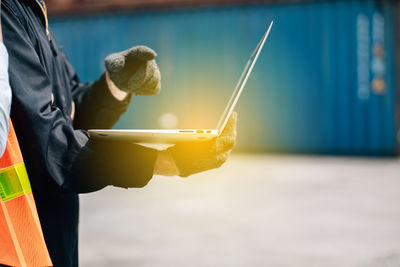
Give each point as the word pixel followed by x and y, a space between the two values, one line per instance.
pixel 315 178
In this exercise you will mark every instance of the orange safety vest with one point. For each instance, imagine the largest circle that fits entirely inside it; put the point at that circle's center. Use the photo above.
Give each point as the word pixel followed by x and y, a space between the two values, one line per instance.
pixel 21 238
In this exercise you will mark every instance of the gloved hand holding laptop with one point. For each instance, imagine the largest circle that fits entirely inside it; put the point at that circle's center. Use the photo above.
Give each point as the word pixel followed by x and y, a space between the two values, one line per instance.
pixel 185 159
pixel 134 71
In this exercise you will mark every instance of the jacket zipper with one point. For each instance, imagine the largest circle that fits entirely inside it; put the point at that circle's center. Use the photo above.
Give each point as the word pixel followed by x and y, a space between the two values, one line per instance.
pixel 44 11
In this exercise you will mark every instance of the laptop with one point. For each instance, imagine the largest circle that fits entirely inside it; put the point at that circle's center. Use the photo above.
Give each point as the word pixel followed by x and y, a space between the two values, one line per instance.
pixel 173 136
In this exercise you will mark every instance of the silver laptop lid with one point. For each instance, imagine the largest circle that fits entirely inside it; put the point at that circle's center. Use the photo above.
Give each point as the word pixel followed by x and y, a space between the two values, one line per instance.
pixel 242 81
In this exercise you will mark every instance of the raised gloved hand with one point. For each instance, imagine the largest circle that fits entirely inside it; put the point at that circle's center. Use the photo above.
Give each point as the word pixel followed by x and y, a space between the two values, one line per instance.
pixel 135 71
pixel 185 159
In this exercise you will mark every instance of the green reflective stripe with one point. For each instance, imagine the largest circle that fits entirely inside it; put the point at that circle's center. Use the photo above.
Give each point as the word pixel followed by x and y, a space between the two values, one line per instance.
pixel 14 182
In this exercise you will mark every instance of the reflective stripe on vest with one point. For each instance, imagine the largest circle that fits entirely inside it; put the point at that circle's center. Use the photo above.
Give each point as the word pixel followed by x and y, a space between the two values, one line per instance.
pixel 21 238
pixel 14 182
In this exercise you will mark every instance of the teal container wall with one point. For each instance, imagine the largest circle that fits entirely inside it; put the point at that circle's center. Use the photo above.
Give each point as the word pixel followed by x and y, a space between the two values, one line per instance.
pixel 310 91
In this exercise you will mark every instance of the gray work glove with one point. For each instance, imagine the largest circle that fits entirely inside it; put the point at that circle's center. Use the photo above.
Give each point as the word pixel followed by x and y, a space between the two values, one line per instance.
pixel 135 71
pixel 194 157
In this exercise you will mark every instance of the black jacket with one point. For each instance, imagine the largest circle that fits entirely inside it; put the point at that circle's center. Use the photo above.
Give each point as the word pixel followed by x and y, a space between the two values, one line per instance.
pixel 60 158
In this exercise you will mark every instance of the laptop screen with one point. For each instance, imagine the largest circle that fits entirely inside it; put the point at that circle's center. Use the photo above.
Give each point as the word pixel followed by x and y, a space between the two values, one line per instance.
pixel 242 81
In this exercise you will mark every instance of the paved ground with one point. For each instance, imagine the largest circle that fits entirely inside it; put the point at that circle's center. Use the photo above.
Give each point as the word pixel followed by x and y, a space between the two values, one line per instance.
pixel 255 211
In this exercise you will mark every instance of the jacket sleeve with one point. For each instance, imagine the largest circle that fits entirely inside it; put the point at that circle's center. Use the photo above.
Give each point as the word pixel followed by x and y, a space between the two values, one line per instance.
pixel 5 98
pixel 95 106
pixel 57 156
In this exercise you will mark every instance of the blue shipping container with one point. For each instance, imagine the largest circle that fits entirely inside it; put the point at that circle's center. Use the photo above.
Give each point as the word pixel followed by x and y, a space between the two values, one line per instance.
pixel 324 82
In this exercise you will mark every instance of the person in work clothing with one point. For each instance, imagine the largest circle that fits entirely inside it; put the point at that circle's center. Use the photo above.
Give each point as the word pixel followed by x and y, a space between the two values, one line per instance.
pixel 52 110
pixel 21 238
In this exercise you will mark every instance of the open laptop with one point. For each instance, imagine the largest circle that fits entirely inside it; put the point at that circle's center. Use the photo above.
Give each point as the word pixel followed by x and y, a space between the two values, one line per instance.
pixel 174 136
